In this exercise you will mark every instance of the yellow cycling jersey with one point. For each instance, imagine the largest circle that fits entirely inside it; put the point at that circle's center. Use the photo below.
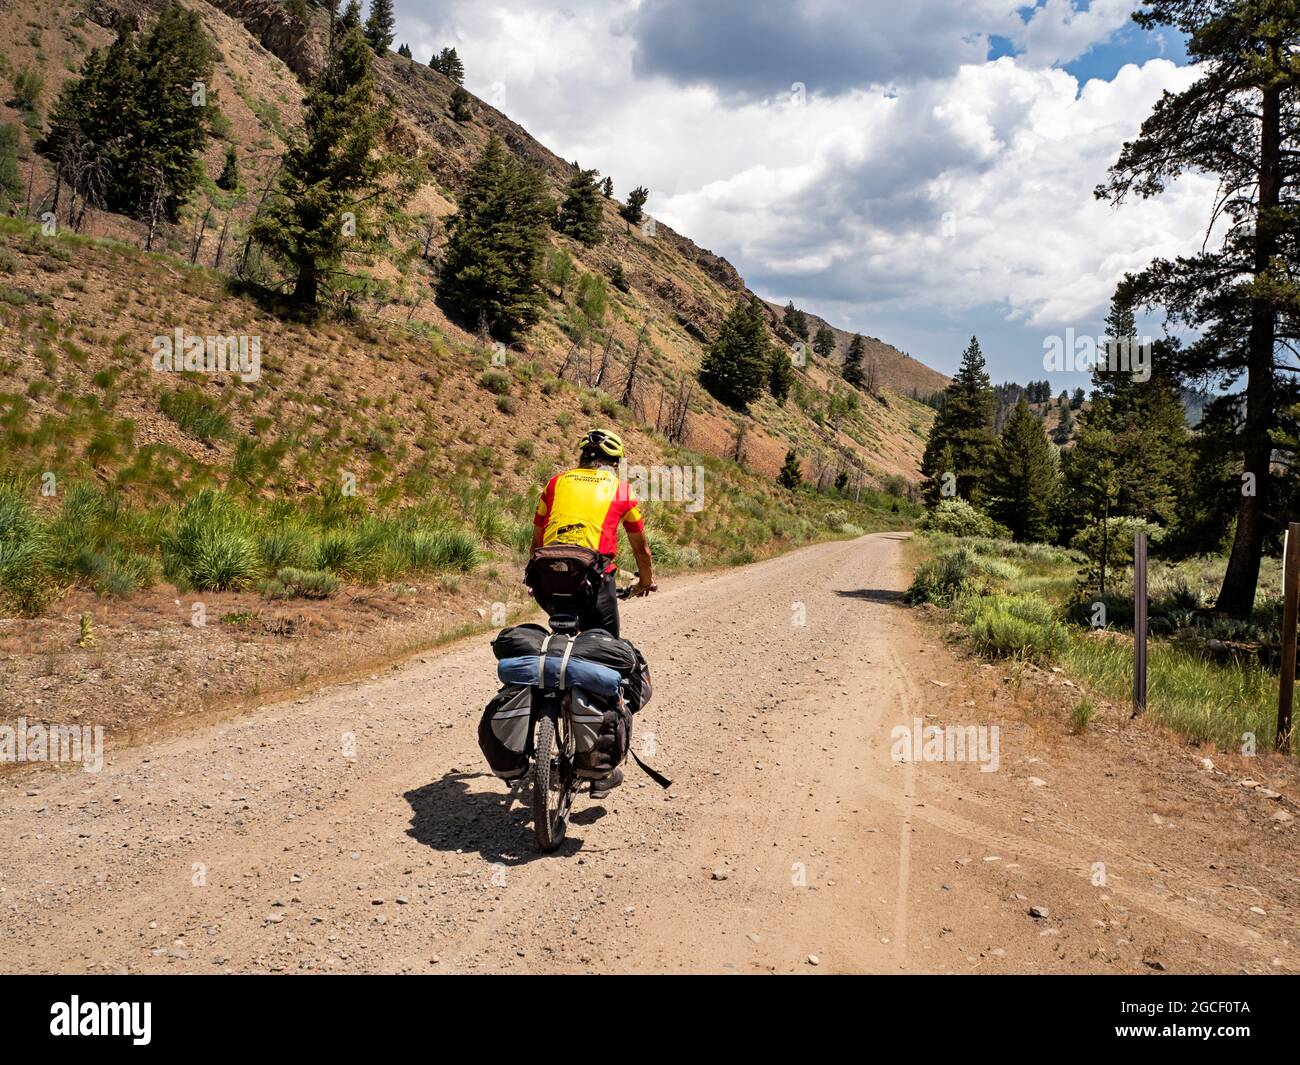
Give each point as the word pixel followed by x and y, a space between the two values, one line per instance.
pixel 584 507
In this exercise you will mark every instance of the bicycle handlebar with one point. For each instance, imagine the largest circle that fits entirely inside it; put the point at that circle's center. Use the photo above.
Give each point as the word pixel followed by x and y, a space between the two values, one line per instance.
pixel 626 593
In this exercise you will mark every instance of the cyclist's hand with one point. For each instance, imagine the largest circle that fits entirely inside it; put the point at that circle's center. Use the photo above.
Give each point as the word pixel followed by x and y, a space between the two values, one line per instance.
pixel 643 587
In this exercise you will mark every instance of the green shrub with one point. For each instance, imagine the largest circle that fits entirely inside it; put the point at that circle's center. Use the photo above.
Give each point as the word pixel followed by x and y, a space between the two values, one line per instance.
pixel 291 583
pixel 195 414
pixel 223 560
pixel 945 578
pixel 438 550
pixel 496 383
pixel 1021 626
pixel 956 517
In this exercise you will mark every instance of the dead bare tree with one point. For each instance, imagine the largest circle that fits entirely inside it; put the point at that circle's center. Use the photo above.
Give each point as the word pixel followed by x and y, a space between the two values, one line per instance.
pixel 738 448
pixel 568 360
pixel 604 360
pixel 221 242
pixel 630 384
pixel 678 410
pixel 198 234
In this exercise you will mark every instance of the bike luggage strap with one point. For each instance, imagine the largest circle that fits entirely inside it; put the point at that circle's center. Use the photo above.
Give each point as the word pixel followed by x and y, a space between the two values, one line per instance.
pixel 564 662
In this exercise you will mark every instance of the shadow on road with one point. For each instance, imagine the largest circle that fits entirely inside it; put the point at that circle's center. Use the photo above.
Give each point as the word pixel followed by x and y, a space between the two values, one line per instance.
pixel 447 816
pixel 873 595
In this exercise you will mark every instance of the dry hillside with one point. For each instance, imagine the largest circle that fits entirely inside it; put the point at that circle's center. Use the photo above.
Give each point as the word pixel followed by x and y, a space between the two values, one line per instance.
pixel 678 292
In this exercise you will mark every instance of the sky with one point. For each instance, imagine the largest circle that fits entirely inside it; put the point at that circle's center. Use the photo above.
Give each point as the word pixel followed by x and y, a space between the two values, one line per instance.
pixel 915 170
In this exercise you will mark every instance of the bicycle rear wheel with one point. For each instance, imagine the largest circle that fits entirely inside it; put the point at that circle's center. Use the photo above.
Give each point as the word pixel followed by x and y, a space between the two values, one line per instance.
pixel 553 787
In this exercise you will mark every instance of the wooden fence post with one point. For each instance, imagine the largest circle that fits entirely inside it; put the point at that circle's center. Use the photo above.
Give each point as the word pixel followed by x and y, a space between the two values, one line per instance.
pixel 1290 603
pixel 1139 623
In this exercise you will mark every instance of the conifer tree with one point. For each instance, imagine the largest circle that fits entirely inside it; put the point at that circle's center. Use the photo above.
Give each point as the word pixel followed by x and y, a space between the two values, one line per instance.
pixel 11 182
pixel 607 188
pixel 459 104
pixel 796 321
pixel 791 475
pixel 332 193
pixel 129 131
pixel 634 209
pixel 1239 121
pixel 381 25
pixel 492 272
pixel 824 341
pixel 961 441
pixel 738 364
pixel 404 50
pixel 580 213
pixel 228 179
pixel 449 64
pixel 780 375
pixel 1143 424
pixel 854 372
pixel 349 20
pixel 1024 482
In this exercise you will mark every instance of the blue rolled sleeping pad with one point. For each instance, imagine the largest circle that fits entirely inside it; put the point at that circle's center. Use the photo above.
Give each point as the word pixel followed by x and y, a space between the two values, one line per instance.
pixel 578 673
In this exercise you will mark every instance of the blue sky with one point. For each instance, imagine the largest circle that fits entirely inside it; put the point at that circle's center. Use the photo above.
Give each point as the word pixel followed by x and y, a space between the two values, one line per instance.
pixel 918 171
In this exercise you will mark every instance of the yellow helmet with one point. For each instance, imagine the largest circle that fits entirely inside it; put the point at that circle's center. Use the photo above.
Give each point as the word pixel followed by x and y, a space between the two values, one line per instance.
pixel 602 442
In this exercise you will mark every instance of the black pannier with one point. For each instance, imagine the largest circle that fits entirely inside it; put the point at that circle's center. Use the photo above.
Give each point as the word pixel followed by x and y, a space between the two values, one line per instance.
pixel 637 686
pixel 602 733
pixel 505 732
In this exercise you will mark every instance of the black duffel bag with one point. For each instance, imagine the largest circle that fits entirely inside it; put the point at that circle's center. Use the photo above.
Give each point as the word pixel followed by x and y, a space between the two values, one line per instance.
pixel 594 645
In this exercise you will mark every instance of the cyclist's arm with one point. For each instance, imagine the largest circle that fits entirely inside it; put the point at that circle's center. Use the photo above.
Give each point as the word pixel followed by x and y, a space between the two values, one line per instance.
pixel 539 534
pixel 644 563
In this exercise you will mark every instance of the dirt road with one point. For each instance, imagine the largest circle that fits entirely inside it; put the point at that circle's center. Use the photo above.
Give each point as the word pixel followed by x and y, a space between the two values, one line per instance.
pixel 358 830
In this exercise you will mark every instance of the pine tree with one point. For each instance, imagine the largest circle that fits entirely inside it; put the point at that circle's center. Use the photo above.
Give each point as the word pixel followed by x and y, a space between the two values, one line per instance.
pixel 607 188
pixel 492 272
pixel 1239 121
pixel 1064 427
pixel 634 209
pixel 228 179
pixel 333 187
pixel 11 182
pixel 854 372
pixel 449 64
pixel 404 50
pixel 780 376
pixel 824 341
pixel 381 25
pixel 580 213
pixel 459 105
pixel 1143 423
pixel 350 20
pixel 738 364
pixel 1024 482
pixel 961 441
pixel 112 148
pixel 796 321
pixel 791 475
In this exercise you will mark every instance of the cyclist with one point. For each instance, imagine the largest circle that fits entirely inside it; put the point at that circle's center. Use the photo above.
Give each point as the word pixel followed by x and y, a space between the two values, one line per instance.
pixel 583 507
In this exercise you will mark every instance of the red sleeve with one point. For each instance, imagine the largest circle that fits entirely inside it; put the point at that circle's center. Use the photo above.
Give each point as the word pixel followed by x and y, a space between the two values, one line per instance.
pixel 632 518
pixel 544 504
